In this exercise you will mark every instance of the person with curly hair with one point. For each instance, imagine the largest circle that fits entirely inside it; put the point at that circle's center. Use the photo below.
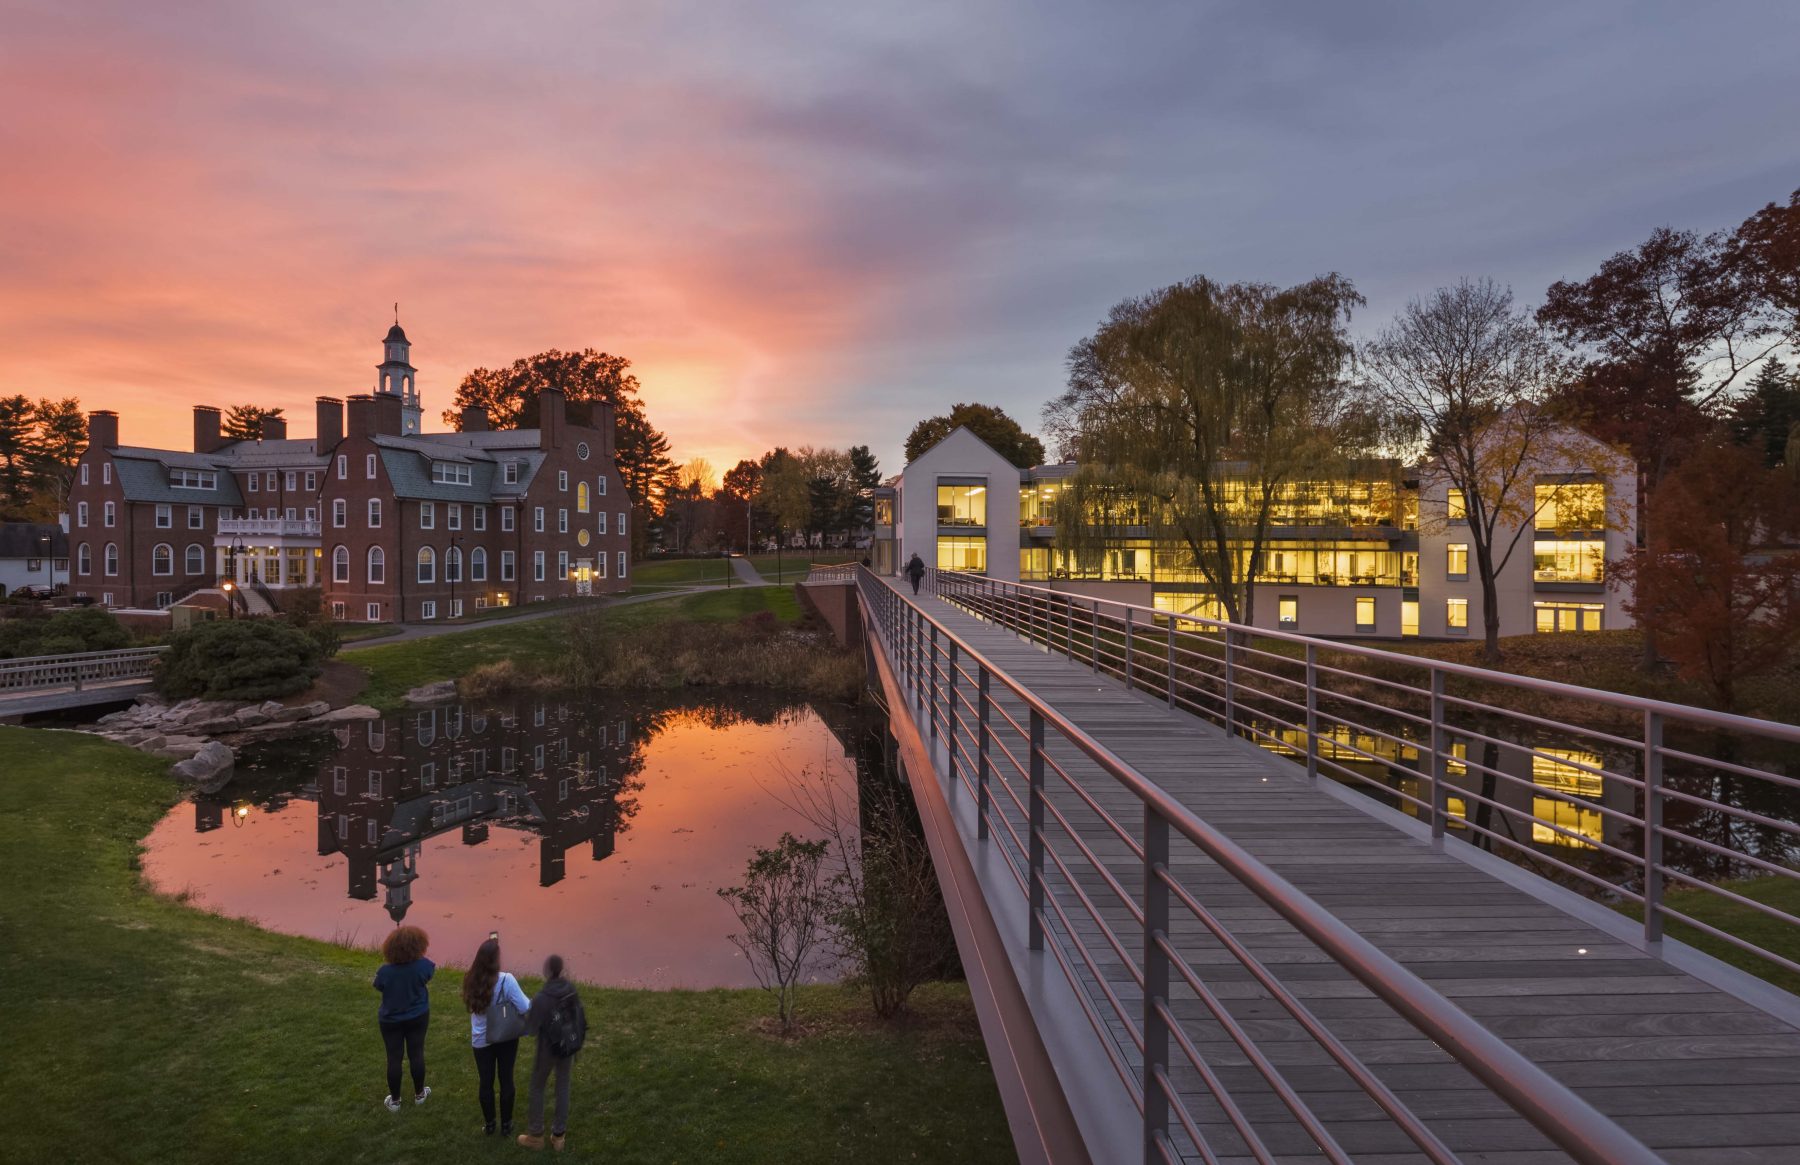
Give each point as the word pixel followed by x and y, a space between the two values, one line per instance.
pixel 405 1010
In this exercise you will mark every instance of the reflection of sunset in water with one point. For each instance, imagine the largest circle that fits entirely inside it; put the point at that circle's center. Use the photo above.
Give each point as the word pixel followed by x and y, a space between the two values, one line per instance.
pixel 445 818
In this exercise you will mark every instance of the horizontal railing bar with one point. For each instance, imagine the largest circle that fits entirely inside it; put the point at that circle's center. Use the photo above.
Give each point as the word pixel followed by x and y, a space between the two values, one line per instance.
pixel 1725 766
pixel 1781 961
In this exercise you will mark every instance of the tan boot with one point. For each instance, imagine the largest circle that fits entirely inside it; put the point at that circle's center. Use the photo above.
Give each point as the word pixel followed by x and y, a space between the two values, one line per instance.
pixel 556 1142
pixel 531 1140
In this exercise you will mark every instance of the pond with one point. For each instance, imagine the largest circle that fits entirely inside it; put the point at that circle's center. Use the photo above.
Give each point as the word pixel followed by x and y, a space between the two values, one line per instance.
pixel 596 827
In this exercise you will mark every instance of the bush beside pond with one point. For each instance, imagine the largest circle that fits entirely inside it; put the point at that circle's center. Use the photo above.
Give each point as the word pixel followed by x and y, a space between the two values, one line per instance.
pixel 77 629
pixel 239 659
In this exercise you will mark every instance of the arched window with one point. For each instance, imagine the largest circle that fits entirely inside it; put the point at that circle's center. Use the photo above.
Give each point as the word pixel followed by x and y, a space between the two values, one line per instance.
pixel 196 558
pixel 427 564
pixel 478 565
pixel 84 559
pixel 111 560
pixel 340 565
pixel 452 565
pixel 377 565
pixel 581 496
pixel 162 559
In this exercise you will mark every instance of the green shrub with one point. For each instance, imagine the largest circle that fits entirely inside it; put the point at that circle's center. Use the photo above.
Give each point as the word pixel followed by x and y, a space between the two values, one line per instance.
pixel 238 659
pixel 66 632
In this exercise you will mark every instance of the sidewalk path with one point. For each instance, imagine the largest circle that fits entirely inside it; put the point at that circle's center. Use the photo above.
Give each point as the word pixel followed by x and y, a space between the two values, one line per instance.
pixel 747 572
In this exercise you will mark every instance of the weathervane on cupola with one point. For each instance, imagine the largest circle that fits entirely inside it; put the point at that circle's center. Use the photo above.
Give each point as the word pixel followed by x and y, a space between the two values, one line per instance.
pixel 395 373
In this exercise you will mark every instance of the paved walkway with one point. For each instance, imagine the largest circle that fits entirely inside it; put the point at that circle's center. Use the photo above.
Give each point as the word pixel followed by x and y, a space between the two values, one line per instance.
pixel 747 572
pixel 1696 1073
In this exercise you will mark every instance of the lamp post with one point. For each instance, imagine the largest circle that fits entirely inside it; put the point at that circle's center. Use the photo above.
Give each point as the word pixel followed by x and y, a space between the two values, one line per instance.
pixel 230 587
pixel 49 563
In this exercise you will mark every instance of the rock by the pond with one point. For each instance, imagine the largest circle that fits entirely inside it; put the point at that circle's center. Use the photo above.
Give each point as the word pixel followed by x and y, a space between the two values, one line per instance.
pixel 432 693
pixel 180 747
pixel 209 769
pixel 351 712
pixel 303 711
pixel 245 717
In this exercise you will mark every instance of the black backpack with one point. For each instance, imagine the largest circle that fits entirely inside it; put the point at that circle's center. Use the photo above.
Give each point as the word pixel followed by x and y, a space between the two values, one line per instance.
pixel 565 1029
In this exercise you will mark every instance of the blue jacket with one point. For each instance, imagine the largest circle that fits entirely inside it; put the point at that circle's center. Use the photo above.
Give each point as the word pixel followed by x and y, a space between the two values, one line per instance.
pixel 403 992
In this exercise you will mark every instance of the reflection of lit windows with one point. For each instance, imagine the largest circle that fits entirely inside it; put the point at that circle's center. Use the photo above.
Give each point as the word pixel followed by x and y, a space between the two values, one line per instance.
pixel 968 554
pixel 1456 616
pixel 1577 819
pixel 1554 617
pixel 1458 762
pixel 1550 769
pixel 1576 505
pixel 962 505
pixel 1456 560
pixel 1458 810
pixel 1288 612
pixel 1583 562
pixel 1365 614
pixel 1196 605
pixel 1409 616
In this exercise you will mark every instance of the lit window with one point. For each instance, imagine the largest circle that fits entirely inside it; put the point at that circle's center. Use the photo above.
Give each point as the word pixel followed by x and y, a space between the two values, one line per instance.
pixel 1566 770
pixel 1409 616
pixel 962 505
pixel 1576 562
pixel 1456 616
pixel 966 554
pixel 162 559
pixel 1456 560
pixel 1288 611
pixel 1456 507
pixel 1365 613
pixel 1555 617
pixel 1577 505
pixel 581 497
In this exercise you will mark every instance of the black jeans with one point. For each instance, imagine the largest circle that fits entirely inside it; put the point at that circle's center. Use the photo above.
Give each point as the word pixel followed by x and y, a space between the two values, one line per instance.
pixel 915 582
pixel 498 1057
pixel 410 1034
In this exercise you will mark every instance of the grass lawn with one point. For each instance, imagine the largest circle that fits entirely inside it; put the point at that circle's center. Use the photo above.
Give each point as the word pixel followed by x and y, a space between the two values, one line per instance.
pixel 357 632
pixel 396 668
pixel 141 1030
pixel 795 563
pixel 663 573
pixel 1746 923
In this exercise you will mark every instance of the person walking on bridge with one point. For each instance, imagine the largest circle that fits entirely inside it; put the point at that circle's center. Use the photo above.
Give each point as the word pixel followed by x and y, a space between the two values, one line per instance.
pixel 915 570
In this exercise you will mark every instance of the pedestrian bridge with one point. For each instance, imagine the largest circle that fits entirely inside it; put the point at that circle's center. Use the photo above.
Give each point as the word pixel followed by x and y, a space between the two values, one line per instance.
pixel 54 683
pixel 1275 899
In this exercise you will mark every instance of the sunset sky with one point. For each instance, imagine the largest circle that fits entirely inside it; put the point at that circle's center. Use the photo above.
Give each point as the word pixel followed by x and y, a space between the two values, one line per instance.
pixel 812 223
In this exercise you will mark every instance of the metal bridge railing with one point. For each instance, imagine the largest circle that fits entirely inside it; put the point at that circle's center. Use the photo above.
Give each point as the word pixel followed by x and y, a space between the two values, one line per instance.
pixel 1609 794
pixel 1019 758
pixel 78 670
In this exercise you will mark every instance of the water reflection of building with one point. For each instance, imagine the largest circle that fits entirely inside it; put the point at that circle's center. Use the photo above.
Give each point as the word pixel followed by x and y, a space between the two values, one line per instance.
pixel 546 767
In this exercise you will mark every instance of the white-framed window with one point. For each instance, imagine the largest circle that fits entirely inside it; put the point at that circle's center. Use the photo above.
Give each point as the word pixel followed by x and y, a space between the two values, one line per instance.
pixel 164 599
pixel 269 482
pixel 253 513
pixel 106 473
pixel 456 608
pixel 111 559
pixel 343 467
pixel 452 473
pixel 478 515
pixel 193 479
pixel 622 514
pixel 165 517
pixel 369 466
pixel 337 610
pixel 377 565
pixel 506 518
pixel 600 565
pixel 509 472
pixel 81 512
pixel 427 571
pixel 427 515
pixel 254 482
pixel 600 522
pixel 84 559
pixel 562 564
pixel 196 518
pixel 537 519
pixel 562 521
pixel 428 609
pixel 506 566
pixel 581 497
pixel 478 565
pixel 84 473
pixel 581 450
pixel 600 485
pixel 162 559
pixel 537 566
pixel 622 561
pixel 374 513
pixel 312 480
pixel 562 481
pixel 372 612
pixel 106 599
pixel 340 512
pixel 289 480
pixel 453 516
pixel 109 513
pixel 340 564
pixel 453 564
pixel 195 559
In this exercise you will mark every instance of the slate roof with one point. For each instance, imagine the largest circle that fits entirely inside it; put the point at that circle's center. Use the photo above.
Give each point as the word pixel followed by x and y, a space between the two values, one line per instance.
pixel 409 472
pixel 20 540
pixel 146 479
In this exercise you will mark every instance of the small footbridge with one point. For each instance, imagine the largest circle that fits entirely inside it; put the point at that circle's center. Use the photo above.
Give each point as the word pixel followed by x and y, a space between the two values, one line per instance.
pixel 34 685
pixel 1232 896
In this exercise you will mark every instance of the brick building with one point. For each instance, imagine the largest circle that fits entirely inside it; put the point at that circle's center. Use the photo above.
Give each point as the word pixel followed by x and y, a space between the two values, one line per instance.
pixel 390 522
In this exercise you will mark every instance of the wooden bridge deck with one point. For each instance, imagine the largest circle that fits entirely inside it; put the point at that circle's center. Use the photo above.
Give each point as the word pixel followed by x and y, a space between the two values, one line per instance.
pixel 1696 1073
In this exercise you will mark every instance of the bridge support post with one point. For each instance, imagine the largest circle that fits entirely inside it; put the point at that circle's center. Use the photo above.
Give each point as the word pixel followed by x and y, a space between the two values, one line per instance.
pixel 1440 748
pixel 1653 827
pixel 1035 854
pixel 1312 712
pixel 981 753
pixel 1156 984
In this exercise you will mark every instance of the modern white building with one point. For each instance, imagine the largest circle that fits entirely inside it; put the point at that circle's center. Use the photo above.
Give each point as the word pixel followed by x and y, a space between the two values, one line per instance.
pixel 1386 556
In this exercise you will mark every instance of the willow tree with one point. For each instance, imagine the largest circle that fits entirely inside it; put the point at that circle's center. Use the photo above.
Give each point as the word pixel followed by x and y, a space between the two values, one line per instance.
pixel 1193 410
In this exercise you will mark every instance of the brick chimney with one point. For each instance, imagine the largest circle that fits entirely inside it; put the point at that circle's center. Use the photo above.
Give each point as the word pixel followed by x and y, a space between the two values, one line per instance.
pixel 103 428
pixel 329 425
pixel 207 438
pixel 274 429
pixel 389 414
pixel 552 418
pixel 605 424
pixel 360 409
pixel 474 419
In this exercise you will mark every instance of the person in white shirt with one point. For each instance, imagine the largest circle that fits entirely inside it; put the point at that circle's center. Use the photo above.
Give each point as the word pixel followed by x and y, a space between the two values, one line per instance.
pixel 497 1008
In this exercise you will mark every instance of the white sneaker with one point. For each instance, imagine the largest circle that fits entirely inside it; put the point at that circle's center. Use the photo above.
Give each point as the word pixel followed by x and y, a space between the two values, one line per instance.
pixel 420 1098
pixel 393 1103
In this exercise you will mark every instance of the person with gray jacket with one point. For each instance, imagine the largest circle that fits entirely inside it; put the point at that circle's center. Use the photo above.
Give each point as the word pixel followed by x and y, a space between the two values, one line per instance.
pixel 559 1022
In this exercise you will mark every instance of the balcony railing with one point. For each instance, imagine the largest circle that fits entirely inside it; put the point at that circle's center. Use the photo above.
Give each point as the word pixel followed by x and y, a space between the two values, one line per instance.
pixel 270 527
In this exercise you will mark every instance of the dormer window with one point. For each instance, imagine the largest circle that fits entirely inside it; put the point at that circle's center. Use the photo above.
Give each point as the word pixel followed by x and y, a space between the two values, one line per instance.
pixel 193 479
pixel 509 472
pixel 451 473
